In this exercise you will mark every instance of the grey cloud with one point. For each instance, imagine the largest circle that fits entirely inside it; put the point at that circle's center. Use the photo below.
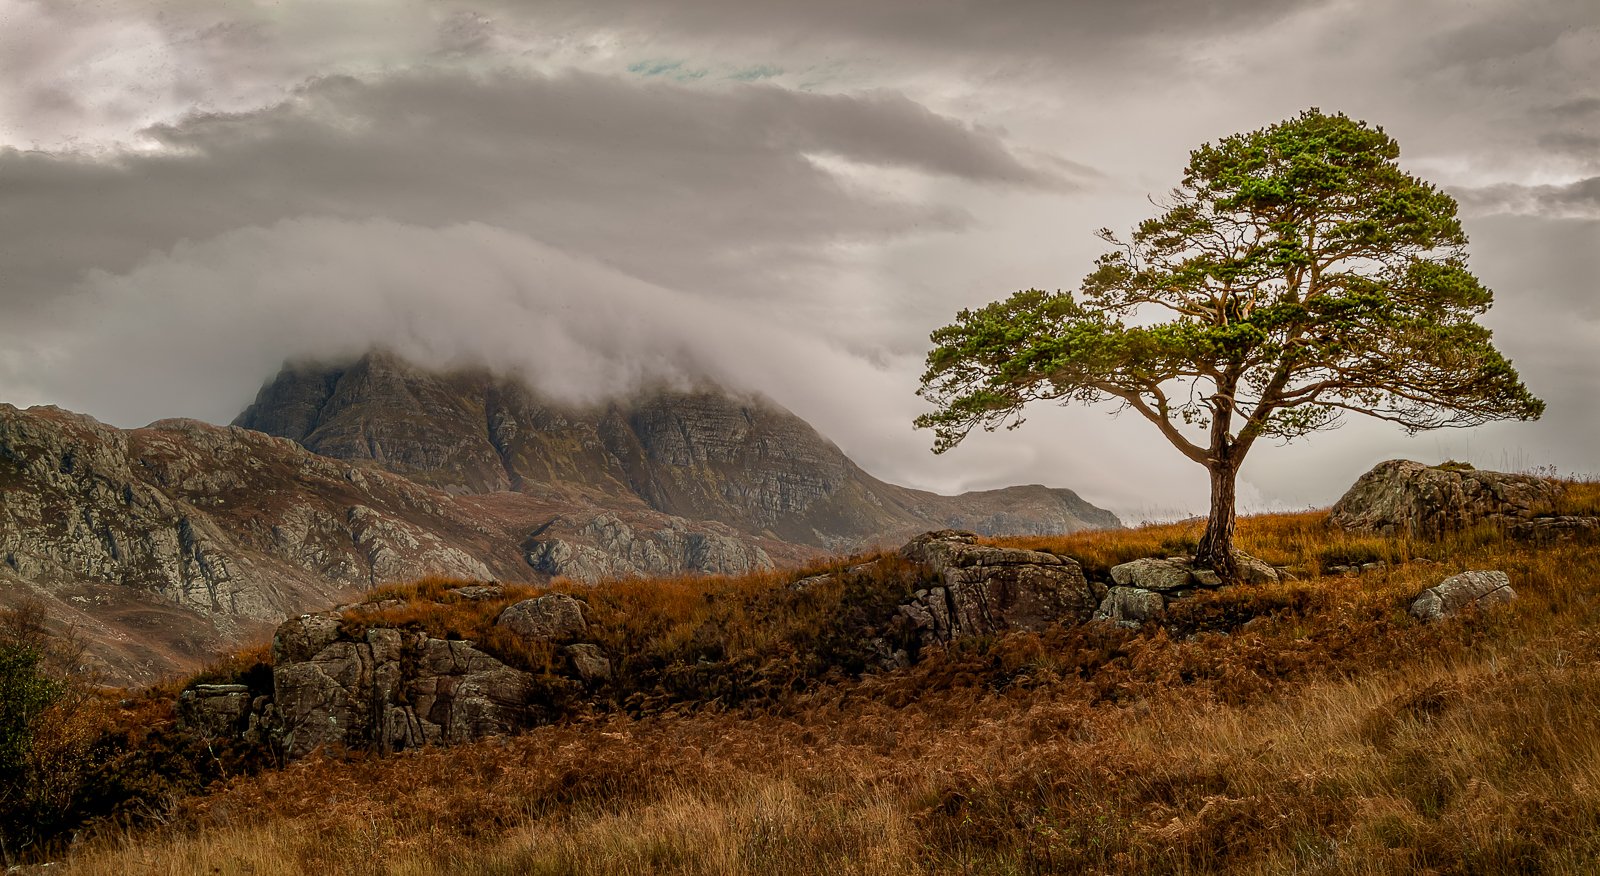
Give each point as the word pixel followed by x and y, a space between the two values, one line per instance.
pixel 1027 29
pixel 1501 34
pixel 1579 199
pixel 663 181
pixel 245 300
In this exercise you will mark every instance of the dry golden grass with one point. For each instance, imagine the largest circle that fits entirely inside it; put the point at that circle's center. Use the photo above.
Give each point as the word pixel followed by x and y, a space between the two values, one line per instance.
pixel 1306 727
pixel 1581 498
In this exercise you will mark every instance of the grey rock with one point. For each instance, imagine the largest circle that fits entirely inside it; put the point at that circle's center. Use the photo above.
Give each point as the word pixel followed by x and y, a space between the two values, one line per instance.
pixel 1172 575
pixel 950 548
pixel 215 710
pixel 1401 497
pixel 1130 606
pixel 918 612
pixel 1255 571
pixel 301 638
pixel 553 617
pixel 591 663
pixel 1448 598
pixel 887 656
pixel 1159 575
pixel 1544 530
pixel 987 590
pixel 389 691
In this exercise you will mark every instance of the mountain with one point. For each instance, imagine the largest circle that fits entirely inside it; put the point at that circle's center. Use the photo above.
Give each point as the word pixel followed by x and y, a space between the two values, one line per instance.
pixel 166 545
pixel 702 454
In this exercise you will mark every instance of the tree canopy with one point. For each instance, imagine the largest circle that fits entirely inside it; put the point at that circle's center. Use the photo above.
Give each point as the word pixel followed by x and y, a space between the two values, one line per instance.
pixel 1295 275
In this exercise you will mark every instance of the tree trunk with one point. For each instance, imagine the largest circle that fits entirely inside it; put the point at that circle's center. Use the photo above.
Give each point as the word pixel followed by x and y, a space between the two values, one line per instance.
pixel 1216 544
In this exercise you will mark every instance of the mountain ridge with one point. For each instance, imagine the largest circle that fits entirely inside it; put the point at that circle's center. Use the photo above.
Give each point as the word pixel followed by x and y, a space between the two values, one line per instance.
pixel 699 453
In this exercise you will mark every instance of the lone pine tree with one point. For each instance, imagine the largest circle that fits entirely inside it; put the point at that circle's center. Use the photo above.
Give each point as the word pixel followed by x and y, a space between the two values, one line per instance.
pixel 1296 274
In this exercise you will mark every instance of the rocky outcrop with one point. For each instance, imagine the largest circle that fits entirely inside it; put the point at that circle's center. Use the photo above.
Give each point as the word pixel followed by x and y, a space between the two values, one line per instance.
pixel 344 686
pixel 984 590
pixel 1143 588
pixel 387 690
pixel 345 681
pixel 1400 497
pixel 341 684
pixel 1455 594
pixel 704 454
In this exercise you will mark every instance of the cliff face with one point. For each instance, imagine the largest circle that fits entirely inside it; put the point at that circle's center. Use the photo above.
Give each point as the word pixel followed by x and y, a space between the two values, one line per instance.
pixel 703 455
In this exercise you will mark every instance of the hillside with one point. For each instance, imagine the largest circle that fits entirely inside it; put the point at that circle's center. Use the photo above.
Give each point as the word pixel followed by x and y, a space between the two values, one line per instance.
pixel 167 545
pixel 1309 725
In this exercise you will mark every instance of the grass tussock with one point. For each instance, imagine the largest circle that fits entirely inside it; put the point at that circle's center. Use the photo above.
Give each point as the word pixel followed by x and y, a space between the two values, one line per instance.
pixel 1304 727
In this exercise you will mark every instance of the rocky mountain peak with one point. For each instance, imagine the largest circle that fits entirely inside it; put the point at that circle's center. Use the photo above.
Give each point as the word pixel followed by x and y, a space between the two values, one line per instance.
pixel 702 454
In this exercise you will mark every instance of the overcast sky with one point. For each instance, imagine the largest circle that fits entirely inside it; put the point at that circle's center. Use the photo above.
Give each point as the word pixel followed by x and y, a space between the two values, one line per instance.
pixel 787 196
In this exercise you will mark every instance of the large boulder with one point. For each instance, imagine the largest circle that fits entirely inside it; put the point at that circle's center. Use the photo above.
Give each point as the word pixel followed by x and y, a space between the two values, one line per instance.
pixel 552 617
pixel 1254 570
pixel 1401 497
pixel 1151 573
pixel 983 590
pixel 387 690
pixel 1448 598
pixel 1130 606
